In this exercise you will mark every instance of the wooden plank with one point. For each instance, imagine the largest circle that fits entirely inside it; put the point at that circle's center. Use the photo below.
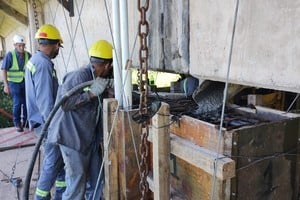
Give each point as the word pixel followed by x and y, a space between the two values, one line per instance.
pixel 161 153
pixel 266 161
pixel 203 158
pixel 111 186
pixel 10 138
pixel 197 131
pixel 129 138
pixel 191 182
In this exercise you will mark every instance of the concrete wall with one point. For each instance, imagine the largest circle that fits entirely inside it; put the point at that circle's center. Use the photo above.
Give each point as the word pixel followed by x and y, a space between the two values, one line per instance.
pixel 168 32
pixel 79 32
pixel 194 37
pixel 266 46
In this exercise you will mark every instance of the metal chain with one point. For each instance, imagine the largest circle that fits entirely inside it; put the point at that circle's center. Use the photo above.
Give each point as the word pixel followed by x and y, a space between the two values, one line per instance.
pixel 143 29
pixel 36 16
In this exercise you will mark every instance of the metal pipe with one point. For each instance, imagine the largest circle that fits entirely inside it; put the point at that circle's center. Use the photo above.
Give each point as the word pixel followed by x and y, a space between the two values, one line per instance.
pixel 126 73
pixel 117 52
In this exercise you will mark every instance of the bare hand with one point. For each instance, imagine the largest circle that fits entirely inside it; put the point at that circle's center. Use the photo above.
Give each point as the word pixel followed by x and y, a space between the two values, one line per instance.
pixel 6 89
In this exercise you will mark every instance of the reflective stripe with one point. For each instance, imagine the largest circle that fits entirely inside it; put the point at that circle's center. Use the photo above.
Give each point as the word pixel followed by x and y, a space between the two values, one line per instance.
pixel 54 73
pixel 31 67
pixel 14 74
pixel 86 89
pixel 60 184
pixel 185 86
pixel 41 193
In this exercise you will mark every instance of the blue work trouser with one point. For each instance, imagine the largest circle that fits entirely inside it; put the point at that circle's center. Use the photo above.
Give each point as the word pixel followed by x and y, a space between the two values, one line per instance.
pixel 52 172
pixel 82 171
pixel 18 95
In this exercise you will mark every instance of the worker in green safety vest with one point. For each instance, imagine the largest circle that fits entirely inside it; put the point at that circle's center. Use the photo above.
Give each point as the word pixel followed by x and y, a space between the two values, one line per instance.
pixel 13 79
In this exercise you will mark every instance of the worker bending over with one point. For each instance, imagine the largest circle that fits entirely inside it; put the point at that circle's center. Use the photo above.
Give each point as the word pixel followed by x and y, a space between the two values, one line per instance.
pixel 77 125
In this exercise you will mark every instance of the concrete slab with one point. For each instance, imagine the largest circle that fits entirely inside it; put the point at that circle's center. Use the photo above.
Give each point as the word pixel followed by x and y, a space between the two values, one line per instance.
pixel 15 155
pixel 14 164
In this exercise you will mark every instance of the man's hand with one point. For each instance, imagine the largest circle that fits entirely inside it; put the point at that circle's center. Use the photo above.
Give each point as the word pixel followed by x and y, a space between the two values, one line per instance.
pixel 6 88
pixel 98 86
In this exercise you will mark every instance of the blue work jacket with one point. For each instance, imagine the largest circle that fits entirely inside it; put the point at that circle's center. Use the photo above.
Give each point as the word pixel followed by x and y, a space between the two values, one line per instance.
pixel 41 86
pixel 77 123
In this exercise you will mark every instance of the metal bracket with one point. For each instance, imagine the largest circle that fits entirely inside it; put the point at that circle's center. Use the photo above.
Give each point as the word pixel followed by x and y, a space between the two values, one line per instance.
pixel 69 5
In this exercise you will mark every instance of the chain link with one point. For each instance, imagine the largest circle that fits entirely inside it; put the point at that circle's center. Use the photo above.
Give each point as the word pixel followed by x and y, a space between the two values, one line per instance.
pixel 36 15
pixel 143 29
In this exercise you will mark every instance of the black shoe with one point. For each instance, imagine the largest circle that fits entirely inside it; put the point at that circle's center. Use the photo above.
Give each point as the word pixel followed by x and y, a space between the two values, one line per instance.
pixel 20 129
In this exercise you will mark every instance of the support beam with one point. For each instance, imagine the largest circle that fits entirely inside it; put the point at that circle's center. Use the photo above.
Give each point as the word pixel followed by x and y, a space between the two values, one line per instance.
pixel 203 158
pixel 161 153
pixel 111 170
pixel 200 157
pixel 10 11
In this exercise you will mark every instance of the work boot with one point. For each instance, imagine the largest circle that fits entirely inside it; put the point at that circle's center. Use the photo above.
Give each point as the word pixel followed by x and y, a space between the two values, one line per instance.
pixel 19 128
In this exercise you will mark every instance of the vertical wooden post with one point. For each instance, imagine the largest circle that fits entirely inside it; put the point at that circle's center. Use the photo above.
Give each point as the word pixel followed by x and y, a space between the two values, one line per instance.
pixel 161 153
pixel 111 187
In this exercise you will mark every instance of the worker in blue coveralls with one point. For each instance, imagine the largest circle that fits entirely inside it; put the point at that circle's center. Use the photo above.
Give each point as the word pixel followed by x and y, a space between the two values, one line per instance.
pixel 77 125
pixel 41 90
pixel 13 79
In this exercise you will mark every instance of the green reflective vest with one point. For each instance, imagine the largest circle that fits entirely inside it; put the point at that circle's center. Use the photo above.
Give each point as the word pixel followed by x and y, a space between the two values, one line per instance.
pixel 14 74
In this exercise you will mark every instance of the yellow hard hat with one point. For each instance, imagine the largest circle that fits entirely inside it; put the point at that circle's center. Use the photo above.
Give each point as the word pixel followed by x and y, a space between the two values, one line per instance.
pixel 48 31
pixel 101 49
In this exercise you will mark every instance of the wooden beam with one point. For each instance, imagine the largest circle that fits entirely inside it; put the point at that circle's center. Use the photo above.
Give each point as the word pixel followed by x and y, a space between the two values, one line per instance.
pixel 203 158
pixel 161 153
pixel 10 11
pixel 111 170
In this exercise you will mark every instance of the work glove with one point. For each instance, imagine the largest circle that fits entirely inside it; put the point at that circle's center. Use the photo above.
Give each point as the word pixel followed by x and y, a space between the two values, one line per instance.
pixel 98 86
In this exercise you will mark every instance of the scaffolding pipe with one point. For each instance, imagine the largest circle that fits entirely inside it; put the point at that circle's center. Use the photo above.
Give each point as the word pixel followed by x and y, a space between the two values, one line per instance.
pixel 117 52
pixel 126 73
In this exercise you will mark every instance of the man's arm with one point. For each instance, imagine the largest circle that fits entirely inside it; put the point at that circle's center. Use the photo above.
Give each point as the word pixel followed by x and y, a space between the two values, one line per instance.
pixel 5 82
pixel 7 62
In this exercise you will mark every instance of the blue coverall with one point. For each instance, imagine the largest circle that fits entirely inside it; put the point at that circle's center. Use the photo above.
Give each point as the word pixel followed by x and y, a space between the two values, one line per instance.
pixel 41 86
pixel 77 128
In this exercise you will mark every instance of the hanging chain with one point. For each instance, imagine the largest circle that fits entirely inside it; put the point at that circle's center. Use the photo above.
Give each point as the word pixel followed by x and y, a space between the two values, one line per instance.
pixel 143 29
pixel 36 16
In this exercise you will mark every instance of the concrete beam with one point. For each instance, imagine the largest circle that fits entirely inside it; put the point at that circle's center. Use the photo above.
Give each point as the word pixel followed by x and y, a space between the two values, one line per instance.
pixel 10 11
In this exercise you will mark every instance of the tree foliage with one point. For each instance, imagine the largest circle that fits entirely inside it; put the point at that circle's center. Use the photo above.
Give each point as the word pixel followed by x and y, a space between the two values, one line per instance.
pixel 6 105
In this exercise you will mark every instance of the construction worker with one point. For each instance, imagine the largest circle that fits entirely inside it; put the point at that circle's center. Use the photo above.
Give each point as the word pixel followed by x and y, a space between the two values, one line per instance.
pixel 41 89
pixel 77 125
pixel 13 79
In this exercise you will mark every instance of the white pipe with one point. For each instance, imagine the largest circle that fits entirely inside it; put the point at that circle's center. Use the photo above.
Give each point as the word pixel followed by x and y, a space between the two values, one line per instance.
pixel 117 52
pixel 126 73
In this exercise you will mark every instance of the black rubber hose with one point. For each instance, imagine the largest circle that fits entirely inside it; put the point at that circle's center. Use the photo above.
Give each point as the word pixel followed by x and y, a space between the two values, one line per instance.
pixel 44 130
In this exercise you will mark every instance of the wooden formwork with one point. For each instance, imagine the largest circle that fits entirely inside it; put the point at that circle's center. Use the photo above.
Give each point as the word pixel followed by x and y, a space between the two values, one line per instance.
pixel 192 160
